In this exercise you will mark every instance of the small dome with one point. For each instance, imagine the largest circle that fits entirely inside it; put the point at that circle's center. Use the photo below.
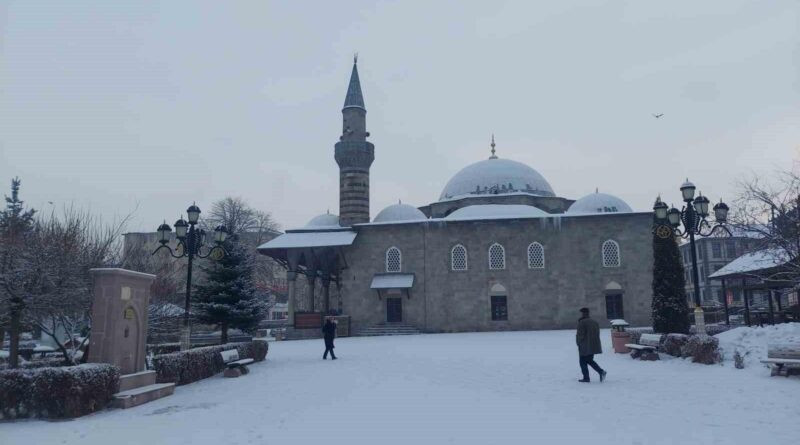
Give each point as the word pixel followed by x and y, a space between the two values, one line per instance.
pixel 496 176
pixel 399 212
pixel 496 211
pixel 324 220
pixel 599 203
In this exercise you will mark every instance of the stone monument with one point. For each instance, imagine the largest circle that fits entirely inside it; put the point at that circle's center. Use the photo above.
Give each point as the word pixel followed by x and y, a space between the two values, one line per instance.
pixel 119 318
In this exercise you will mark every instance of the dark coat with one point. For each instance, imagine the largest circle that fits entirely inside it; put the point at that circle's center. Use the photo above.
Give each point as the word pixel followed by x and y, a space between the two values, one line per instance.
pixel 588 337
pixel 329 333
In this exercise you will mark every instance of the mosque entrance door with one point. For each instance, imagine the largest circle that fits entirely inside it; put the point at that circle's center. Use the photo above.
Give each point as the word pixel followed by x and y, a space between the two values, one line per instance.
pixel 394 310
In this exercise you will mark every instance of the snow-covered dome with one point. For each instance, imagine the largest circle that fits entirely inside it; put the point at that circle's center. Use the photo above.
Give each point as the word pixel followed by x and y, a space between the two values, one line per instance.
pixel 496 211
pixel 399 212
pixel 599 203
pixel 496 176
pixel 326 220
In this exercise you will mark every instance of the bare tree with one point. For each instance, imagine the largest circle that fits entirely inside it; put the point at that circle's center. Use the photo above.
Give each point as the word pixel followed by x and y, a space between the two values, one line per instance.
pixel 239 217
pixel 769 209
pixel 63 249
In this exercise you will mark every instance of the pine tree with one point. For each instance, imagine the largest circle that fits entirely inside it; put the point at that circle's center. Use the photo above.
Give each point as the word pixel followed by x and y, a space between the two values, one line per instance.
pixel 16 225
pixel 228 297
pixel 670 309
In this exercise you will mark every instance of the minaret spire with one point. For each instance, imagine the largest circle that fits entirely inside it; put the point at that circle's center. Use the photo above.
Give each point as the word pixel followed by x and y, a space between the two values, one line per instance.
pixel 354 155
pixel 354 97
pixel 493 156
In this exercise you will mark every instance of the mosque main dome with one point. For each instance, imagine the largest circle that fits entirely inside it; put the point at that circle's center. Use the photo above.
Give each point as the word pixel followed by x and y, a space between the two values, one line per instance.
pixel 496 176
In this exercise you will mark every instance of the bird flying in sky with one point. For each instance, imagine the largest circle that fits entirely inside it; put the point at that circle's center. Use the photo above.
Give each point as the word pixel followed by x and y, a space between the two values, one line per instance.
pixel 657 115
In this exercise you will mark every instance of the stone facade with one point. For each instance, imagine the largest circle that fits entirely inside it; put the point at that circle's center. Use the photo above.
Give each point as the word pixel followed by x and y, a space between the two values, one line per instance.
pixel 491 201
pixel 443 300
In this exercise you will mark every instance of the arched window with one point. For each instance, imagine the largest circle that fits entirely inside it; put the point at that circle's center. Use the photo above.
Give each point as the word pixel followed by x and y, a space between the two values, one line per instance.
pixel 610 254
pixel 394 260
pixel 497 257
pixel 458 257
pixel 535 256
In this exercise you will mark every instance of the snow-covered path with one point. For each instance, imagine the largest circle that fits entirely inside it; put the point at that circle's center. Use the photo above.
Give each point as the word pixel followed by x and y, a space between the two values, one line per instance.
pixel 479 388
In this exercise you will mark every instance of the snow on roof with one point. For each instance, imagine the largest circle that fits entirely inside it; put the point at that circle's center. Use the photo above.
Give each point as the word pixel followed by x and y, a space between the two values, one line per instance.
pixel 399 212
pixel 326 220
pixel 292 240
pixel 392 281
pixel 752 262
pixel 498 176
pixel 496 211
pixel 599 203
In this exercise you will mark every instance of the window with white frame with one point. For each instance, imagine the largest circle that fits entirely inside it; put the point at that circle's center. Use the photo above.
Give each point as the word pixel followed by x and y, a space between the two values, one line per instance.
pixel 497 257
pixel 535 256
pixel 394 260
pixel 458 257
pixel 610 254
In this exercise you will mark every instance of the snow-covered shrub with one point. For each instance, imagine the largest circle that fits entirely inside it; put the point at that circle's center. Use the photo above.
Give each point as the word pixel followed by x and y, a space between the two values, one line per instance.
pixel 702 349
pixel 712 329
pixel 257 350
pixel 69 391
pixel 200 363
pixel 674 343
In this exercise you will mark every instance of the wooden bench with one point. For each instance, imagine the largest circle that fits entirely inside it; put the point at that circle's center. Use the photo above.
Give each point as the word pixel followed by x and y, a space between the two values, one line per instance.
pixel 783 359
pixel 234 366
pixel 647 347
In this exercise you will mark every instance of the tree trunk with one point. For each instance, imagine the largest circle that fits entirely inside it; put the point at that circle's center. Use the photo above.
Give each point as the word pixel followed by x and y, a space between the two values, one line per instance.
pixel 13 350
pixel 224 337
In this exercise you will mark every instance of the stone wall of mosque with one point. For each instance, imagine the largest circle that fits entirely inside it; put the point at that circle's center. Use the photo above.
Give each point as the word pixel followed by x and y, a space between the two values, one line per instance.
pixel 447 300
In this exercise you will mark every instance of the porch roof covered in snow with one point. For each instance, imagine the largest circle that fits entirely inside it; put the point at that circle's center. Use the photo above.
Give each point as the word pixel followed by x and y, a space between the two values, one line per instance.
pixel 392 281
pixel 299 240
pixel 311 252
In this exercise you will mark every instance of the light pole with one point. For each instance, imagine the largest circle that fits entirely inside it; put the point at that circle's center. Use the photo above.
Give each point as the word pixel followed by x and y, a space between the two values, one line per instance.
pixel 190 244
pixel 693 216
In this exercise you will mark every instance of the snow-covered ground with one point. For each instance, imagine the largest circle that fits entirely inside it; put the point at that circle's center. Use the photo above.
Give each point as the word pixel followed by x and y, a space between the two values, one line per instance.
pixel 479 388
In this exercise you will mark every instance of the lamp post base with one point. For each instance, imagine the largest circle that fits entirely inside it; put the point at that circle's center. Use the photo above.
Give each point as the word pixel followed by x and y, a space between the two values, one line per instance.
pixel 186 334
pixel 699 321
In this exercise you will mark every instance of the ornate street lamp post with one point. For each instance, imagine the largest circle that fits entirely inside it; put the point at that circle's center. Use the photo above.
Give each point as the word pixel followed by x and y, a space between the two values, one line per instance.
pixel 190 244
pixel 693 217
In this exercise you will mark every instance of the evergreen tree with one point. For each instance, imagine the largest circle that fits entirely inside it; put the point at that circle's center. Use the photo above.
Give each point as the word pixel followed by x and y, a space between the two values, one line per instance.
pixel 670 308
pixel 16 226
pixel 227 298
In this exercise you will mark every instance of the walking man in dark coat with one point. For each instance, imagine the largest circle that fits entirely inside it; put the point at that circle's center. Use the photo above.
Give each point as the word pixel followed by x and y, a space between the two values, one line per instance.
pixel 588 340
pixel 329 333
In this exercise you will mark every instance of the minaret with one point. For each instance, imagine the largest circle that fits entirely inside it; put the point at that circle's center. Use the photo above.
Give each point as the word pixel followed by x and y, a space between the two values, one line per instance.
pixel 354 155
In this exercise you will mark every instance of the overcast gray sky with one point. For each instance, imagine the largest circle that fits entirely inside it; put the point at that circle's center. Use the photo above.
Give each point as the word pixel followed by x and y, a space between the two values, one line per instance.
pixel 114 105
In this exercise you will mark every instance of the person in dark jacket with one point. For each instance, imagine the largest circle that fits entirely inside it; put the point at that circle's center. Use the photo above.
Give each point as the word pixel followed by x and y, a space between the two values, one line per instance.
pixel 329 333
pixel 588 340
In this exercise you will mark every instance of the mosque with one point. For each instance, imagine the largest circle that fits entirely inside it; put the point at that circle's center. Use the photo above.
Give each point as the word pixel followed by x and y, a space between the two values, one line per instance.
pixel 498 250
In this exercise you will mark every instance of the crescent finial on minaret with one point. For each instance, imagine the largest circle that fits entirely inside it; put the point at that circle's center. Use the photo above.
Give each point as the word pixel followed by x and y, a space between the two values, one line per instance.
pixel 355 57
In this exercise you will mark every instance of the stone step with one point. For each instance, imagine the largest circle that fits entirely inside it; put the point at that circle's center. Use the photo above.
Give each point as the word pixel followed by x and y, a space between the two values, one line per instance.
pixel 141 395
pixel 136 380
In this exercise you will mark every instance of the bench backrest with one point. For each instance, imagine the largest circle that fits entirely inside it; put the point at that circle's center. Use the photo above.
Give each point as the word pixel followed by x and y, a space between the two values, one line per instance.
pixel 650 339
pixel 791 351
pixel 231 355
